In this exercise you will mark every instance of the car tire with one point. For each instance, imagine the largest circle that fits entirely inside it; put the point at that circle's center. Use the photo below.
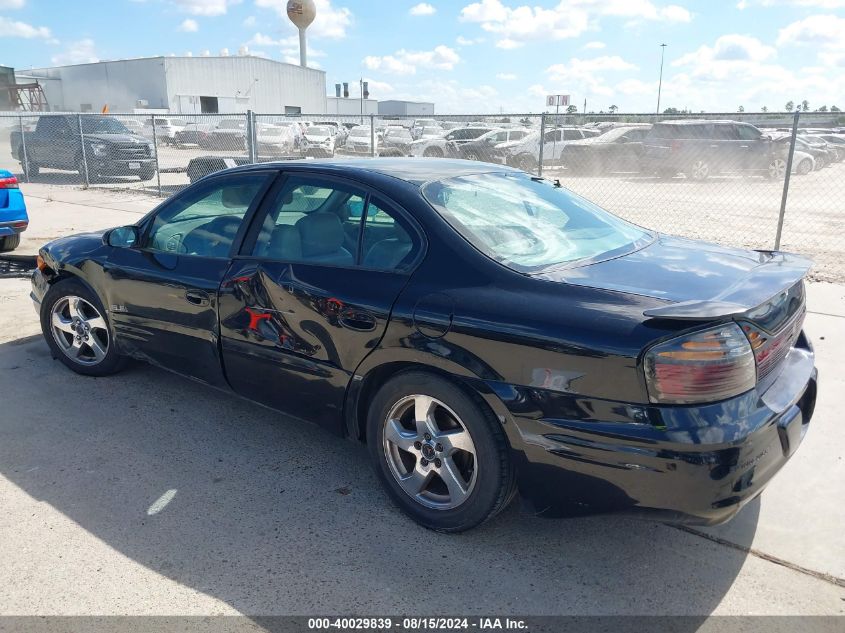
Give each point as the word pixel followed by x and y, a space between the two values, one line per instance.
pixel 776 169
pixel 69 313
pixel 804 167
pixel 454 470
pixel 820 163
pixel 472 156
pixel 9 242
pixel 699 170
pixel 433 152
pixel 30 170
pixel 146 174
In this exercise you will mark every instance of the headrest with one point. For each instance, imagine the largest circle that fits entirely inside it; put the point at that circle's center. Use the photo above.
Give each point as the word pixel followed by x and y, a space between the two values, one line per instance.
pixel 285 243
pixel 238 196
pixel 321 233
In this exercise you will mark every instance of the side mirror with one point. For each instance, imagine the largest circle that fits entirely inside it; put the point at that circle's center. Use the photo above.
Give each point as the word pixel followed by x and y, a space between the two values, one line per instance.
pixel 122 237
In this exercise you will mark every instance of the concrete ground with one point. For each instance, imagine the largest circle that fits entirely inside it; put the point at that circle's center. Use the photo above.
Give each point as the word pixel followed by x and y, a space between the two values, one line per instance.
pixel 145 493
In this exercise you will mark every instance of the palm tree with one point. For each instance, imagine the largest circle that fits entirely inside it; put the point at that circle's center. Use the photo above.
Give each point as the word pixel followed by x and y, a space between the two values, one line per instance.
pixel 741 109
pixel 790 106
pixel 764 109
pixel 805 105
pixel 612 109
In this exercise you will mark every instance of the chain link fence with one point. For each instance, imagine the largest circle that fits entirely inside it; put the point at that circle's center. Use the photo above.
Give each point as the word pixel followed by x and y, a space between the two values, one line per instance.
pixel 758 180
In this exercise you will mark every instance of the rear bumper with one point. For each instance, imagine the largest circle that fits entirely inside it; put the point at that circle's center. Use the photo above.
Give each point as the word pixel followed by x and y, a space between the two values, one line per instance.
pixel 13 228
pixel 690 464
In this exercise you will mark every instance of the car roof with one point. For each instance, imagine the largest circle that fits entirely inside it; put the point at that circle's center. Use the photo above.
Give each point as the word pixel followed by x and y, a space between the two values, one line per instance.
pixel 416 171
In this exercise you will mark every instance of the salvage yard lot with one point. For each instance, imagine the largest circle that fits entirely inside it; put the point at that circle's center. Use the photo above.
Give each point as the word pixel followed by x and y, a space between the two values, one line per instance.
pixel 271 515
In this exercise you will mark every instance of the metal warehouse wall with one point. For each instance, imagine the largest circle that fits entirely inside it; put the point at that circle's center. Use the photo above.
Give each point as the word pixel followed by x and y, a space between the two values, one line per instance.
pixel 120 84
pixel 233 81
pixel 406 108
pixel 350 106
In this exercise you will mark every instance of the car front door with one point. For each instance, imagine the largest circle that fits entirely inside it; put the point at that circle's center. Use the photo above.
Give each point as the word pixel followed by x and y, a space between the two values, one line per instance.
pixel 756 150
pixel 162 293
pixel 311 293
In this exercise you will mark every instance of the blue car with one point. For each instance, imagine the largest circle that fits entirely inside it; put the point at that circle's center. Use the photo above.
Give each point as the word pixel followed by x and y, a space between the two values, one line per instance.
pixel 13 217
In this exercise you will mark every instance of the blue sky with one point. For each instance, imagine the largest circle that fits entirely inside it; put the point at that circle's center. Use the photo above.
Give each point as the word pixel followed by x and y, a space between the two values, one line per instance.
pixel 484 56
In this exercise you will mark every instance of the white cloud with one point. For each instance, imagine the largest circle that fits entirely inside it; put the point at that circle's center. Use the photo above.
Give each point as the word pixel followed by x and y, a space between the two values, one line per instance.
pixel 636 87
pixel 205 7
pixel 14 28
pixel 404 62
pixel 12 4
pixel 79 52
pixel 585 76
pixel 330 23
pixel 594 45
pixel 466 41
pixel 818 4
pixel 250 21
pixel 509 44
pixel 189 26
pixel 506 76
pixel 815 30
pixel 728 49
pixel 381 88
pixel 423 8
pixel 259 39
pixel 522 24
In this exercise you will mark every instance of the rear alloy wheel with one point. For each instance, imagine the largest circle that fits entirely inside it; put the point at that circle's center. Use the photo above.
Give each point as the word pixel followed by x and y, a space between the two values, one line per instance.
pixel 433 152
pixel 804 167
pixel 76 329
pixel 699 170
pixel 472 156
pixel 443 459
pixel 777 169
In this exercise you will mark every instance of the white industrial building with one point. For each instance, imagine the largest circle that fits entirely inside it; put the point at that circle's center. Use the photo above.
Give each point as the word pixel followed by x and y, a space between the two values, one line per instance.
pixel 350 106
pixel 183 85
pixel 405 108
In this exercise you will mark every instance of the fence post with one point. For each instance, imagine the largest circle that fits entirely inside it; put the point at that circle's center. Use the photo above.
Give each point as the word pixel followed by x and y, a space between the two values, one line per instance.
pixel 372 135
pixel 155 151
pixel 250 136
pixel 542 139
pixel 24 159
pixel 84 156
pixel 786 179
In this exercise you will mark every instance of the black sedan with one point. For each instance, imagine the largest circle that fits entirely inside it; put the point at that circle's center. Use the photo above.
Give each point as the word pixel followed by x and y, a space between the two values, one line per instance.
pixel 617 150
pixel 483 331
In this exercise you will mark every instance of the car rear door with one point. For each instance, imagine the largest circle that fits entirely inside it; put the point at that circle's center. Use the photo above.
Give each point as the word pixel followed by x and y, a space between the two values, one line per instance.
pixel 162 294
pixel 311 293
pixel 756 150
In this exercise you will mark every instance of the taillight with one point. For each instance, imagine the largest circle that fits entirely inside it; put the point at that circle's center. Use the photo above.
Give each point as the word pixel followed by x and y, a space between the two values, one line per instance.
pixel 9 183
pixel 705 366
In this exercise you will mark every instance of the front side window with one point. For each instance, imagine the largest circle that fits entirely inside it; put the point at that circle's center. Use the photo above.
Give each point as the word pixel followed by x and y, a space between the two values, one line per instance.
pixel 529 225
pixel 748 133
pixel 205 222
pixel 572 135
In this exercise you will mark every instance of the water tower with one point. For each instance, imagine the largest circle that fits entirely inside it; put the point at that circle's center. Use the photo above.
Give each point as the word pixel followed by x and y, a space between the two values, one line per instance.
pixel 302 14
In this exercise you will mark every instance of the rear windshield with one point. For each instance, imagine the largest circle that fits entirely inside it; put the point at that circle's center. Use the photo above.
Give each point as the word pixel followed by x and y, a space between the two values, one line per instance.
pixel 360 131
pixel 528 224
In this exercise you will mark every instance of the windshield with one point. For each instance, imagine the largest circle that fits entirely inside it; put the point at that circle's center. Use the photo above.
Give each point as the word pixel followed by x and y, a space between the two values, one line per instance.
pixel 526 224
pixel 399 134
pixel 230 125
pixel 319 131
pixel 432 131
pixel 103 125
pixel 360 131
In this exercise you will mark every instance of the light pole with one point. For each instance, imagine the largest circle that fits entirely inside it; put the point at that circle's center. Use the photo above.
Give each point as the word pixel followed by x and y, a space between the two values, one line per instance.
pixel 660 83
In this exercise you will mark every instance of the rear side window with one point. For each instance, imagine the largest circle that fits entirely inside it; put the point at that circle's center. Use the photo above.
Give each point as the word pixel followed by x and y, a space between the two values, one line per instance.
pixel 572 135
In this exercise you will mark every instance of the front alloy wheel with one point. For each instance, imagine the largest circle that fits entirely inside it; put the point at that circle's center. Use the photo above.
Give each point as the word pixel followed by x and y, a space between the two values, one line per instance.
pixel 777 169
pixel 79 330
pixel 430 452
pixel 699 170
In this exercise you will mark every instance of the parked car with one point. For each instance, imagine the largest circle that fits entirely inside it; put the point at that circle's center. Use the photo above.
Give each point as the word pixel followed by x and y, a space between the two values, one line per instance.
pixel 431 132
pixel 617 150
pixel 836 142
pixel 13 217
pixel 166 129
pixel 318 142
pixel 109 148
pixel 358 141
pixel 194 134
pixel 486 146
pixel 133 125
pixel 802 163
pixel 419 124
pixel 835 153
pixel 202 166
pixel 701 148
pixel 482 331
pixel 396 141
pixel 230 134
pixel 821 155
pixel 437 147
pixel 525 153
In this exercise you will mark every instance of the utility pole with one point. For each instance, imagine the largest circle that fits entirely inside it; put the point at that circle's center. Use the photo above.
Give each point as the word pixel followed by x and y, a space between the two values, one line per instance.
pixel 660 83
